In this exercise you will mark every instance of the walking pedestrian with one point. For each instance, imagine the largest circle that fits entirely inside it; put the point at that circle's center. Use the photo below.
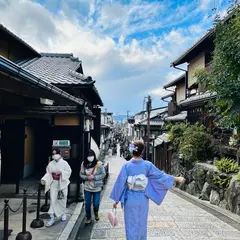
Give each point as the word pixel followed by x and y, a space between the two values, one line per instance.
pixel 57 180
pixel 138 181
pixel 92 172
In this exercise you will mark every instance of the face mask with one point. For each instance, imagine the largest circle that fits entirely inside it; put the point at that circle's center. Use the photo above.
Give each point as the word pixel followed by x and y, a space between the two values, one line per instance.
pixel 90 159
pixel 56 157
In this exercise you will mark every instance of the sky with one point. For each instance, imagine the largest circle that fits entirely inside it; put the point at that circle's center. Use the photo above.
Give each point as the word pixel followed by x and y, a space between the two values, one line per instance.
pixel 125 45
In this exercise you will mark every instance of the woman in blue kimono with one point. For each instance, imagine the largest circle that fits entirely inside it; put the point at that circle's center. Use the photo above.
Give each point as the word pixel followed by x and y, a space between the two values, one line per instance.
pixel 138 181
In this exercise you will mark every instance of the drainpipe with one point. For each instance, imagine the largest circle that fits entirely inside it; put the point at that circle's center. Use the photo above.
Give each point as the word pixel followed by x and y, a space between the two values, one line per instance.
pixel 186 78
pixel 165 101
pixel 168 91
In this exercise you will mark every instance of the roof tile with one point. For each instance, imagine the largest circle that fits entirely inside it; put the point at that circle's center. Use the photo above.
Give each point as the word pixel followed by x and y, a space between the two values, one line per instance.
pixel 56 69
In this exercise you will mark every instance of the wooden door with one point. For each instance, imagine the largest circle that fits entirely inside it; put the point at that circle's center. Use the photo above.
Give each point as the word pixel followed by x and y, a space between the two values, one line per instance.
pixel 13 136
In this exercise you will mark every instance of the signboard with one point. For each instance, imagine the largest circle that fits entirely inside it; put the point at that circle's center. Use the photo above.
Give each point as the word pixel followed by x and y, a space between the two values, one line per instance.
pixel 60 143
pixel 64 146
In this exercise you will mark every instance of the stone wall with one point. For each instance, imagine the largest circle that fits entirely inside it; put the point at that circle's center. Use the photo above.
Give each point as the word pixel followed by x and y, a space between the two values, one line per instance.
pixel 201 182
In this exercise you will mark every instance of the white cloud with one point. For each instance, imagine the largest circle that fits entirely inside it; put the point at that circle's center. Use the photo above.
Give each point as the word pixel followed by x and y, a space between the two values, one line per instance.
pixel 123 68
pixel 197 29
pixel 112 14
pixel 159 91
pixel 173 75
pixel 205 4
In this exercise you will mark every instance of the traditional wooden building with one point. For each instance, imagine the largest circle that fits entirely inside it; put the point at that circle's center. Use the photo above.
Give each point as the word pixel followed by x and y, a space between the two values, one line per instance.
pixel 177 89
pixel 44 97
pixel 106 129
pixel 198 56
pixel 156 123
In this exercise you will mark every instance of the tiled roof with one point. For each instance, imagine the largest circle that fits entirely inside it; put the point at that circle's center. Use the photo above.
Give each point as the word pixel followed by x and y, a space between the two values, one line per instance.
pixel 153 122
pixel 56 69
pixel 179 117
pixel 198 98
pixel 153 110
pixel 12 68
pixel 175 81
pixel 160 139
pixel 168 95
pixel 154 118
pixel 154 113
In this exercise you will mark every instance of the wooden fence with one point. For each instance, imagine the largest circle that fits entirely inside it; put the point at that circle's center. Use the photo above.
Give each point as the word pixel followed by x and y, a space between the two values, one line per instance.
pixel 163 157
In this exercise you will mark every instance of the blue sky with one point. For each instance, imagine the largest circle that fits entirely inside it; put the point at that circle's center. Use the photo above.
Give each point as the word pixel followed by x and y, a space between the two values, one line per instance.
pixel 125 45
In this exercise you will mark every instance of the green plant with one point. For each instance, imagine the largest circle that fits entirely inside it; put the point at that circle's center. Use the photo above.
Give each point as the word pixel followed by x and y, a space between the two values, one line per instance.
pixel 176 134
pixel 238 176
pixel 203 77
pixel 195 143
pixel 227 165
pixel 222 181
pixel 200 172
pixel 167 126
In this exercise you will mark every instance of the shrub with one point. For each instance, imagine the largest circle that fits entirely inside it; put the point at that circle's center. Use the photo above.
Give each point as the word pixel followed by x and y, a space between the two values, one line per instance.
pixel 167 126
pixel 227 165
pixel 176 134
pixel 195 144
pixel 222 181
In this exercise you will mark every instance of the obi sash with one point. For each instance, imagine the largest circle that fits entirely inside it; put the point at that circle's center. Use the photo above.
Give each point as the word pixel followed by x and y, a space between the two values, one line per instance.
pixel 137 182
pixel 55 176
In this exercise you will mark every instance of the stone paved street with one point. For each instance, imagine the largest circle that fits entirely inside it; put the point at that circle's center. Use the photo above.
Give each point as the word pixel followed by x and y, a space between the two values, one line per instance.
pixel 174 219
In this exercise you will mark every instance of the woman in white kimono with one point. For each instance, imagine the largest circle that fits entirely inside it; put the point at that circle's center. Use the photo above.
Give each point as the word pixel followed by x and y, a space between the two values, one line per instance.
pixel 57 180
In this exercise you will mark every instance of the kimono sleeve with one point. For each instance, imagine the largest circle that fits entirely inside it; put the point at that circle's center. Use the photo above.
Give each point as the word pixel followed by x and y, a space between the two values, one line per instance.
pixel 47 179
pixel 67 171
pixel 164 180
pixel 158 184
pixel 120 185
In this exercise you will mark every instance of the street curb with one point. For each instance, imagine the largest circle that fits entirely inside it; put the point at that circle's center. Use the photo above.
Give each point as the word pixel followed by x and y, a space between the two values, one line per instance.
pixel 71 222
pixel 223 214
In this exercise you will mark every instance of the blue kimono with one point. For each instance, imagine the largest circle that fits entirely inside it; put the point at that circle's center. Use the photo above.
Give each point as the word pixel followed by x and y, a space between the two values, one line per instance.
pixel 136 202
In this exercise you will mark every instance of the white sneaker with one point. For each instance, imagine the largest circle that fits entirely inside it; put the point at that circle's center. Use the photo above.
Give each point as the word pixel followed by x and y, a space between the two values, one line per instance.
pixel 51 222
pixel 64 217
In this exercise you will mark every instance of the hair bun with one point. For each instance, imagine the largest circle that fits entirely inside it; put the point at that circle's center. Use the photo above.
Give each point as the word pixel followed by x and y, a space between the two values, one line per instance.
pixel 138 147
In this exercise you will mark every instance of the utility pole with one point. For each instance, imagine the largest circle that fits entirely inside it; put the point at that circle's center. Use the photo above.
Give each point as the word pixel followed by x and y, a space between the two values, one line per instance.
pixel 105 116
pixel 127 114
pixel 149 107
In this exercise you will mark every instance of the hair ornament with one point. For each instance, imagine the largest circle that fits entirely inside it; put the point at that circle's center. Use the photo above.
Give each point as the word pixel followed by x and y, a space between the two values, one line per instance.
pixel 132 148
